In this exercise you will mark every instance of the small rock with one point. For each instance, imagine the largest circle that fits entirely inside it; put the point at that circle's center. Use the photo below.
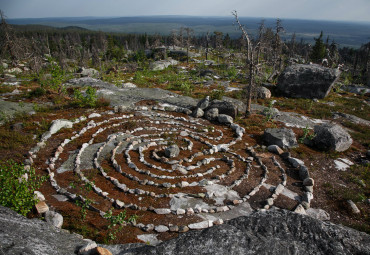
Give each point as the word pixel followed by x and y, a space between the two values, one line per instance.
pixel 225 119
pixel 183 229
pixel 174 228
pixel 296 162
pixel 189 211
pixel 303 172
pixel 161 228
pixel 318 214
pixel 282 137
pixel 270 201
pixel 39 195
pixel 308 182
pixel 54 218
pixel 300 209
pixel 87 249
pixel 353 207
pixel 162 211
pixel 198 113
pixel 204 103
pixel 148 227
pixel 172 151
pixel 102 251
pixel 211 114
pixel 201 225
pixel 42 207
pixel 275 149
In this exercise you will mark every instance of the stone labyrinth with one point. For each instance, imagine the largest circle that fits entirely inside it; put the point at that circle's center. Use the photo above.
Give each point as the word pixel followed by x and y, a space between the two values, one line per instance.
pixel 175 171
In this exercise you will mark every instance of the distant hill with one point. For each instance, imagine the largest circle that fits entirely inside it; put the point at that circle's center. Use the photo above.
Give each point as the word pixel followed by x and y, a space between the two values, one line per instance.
pixel 35 27
pixel 350 34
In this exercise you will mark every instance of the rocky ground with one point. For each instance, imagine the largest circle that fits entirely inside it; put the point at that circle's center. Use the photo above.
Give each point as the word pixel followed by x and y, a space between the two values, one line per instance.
pixel 114 156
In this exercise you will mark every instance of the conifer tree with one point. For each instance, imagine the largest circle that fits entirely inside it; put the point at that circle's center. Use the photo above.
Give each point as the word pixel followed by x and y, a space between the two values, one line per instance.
pixel 318 50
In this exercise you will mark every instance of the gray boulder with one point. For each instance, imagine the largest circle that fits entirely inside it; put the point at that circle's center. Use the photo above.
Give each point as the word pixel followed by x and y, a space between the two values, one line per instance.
pixel 54 218
pixel 211 114
pixel 204 103
pixel 198 113
pixel 162 64
pixel 172 151
pixel 225 119
pixel 262 92
pixel 88 72
pixel 307 81
pixel 331 137
pixel 282 137
pixel 224 107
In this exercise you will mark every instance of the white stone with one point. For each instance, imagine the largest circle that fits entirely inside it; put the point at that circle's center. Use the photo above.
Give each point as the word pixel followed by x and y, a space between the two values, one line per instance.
pixel 201 225
pixel 56 125
pixel 162 211
pixel 39 195
pixel 87 249
pixel 54 219
pixel 300 209
pixel 161 228
pixel 180 211
pixel 94 115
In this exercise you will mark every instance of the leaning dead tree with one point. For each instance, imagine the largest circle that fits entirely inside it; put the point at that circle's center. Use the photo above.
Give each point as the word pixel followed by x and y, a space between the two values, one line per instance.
pixel 9 44
pixel 251 62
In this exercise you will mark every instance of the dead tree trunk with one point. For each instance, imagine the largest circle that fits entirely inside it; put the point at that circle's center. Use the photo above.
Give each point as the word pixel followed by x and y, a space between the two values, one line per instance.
pixel 250 63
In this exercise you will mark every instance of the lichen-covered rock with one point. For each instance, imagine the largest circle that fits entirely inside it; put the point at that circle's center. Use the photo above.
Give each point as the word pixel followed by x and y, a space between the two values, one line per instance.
pixel 258 233
pixel 224 107
pixel 198 113
pixel 204 103
pixel 88 72
pixel 273 232
pixel 54 218
pixel 307 81
pixel 282 137
pixel 19 235
pixel 172 151
pixel 331 137
pixel 262 92
pixel 211 114
pixel 225 119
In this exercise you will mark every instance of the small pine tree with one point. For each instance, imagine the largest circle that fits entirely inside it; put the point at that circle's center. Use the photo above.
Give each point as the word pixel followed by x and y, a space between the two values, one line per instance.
pixel 318 50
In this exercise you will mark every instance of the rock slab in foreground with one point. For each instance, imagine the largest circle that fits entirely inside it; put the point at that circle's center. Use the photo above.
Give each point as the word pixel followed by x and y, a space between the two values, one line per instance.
pixel 272 232
pixel 19 235
pixel 307 81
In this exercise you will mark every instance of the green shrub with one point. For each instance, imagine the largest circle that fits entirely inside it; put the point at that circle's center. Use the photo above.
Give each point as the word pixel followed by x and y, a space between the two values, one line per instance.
pixel 37 92
pixel 16 192
pixel 87 100
pixel 116 222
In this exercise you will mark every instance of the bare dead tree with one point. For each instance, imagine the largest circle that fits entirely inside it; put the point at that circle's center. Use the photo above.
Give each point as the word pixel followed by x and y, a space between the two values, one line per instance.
pixel 250 54
pixel 261 31
pixel 10 44
pixel 189 36
pixel 278 44
pixel 174 38
pixel 207 44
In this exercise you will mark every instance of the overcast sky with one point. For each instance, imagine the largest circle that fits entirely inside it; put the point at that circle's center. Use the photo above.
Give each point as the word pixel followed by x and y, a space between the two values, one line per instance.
pixel 352 10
